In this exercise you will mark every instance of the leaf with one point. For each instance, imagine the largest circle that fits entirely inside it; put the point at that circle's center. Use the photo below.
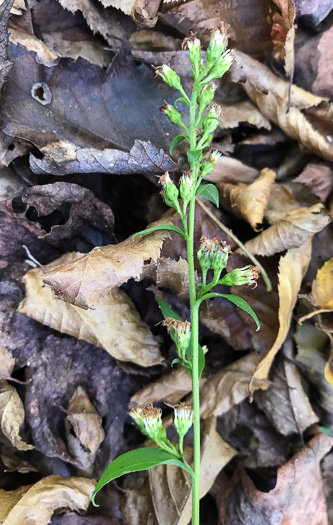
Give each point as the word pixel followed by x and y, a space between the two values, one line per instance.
pixel 36 504
pixel 127 338
pixel 171 274
pixel 238 301
pixel 169 388
pixel 169 498
pixel 167 311
pixel 318 177
pixel 160 227
pixel 292 268
pixel 210 192
pixel 290 232
pixel 85 281
pixel 322 286
pixel 194 156
pixel 7 363
pixel 5 64
pixel 12 416
pixel 134 461
pixel 248 201
pixel 177 139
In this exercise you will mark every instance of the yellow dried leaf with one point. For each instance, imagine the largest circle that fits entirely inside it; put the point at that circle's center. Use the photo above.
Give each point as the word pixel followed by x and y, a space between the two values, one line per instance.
pixel 291 231
pixel 87 279
pixel 322 286
pixel 12 415
pixel 114 325
pixel 292 268
pixel 248 201
pixel 36 504
pixel 329 371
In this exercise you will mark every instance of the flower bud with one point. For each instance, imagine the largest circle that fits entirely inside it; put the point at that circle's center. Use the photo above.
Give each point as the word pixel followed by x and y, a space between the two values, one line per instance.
pixel 216 45
pixel 209 165
pixel 206 95
pixel 220 258
pixel 149 421
pixel 210 124
pixel 221 66
pixel 213 254
pixel 180 333
pixel 174 115
pixel 169 76
pixel 183 418
pixel 186 188
pixel 136 413
pixel 193 44
pixel 240 276
pixel 170 191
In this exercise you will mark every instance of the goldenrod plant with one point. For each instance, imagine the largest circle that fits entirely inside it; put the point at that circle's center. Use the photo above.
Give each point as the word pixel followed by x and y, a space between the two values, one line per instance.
pixel 204 117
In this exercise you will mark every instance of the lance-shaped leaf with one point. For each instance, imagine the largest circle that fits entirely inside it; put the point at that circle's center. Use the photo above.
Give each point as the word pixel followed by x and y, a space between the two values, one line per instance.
pixel 238 301
pixel 177 139
pixel 160 227
pixel 136 460
pixel 210 192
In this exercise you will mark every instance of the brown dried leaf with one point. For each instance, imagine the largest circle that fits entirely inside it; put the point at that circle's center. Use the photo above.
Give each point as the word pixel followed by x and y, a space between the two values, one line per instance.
pixel 292 231
pixel 85 281
pixel 292 268
pixel 14 463
pixel 5 64
pixel 169 499
pixel 309 116
pixel 232 170
pixel 145 12
pixel 248 201
pixel 169 273
pixel 318 177
pixel 36 504
pixel 297 498
pixel 126 338
pixel 322 286
pixel 32 43
pixel 244 111
pixel 7 363
pixel 12 415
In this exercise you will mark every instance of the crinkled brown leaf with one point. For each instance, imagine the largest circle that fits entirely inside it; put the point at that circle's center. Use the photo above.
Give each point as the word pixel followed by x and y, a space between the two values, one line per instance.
pixel 297 498
pixel 5 64
pixel 309 116
pixel 171 273
pixel 292 268
pixel 85 281
pixel 242 112
pixel 13 463
pixel 293 230
pixel 7 363
pixel 232 170
pixel 12 415
pixel 169 500
pixel 36 504
pixel 248 201
pixel 318 177
pixel 19 36
pixel 145 12
pixel 126 338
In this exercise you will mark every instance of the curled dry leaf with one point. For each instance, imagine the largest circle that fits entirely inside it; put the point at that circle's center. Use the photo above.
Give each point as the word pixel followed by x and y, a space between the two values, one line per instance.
pixel 114 325
pixel 85 281
pixel 36 504
pixel 5 64
pixel 12 415
pixel 169 498
pixel 248 201
pixel 270 93
pixel 322 286
pixel 318 177
pixel 244 111
pixel 293 230
pixel 14 463
pixel 145 12
pixel 232 170
pixel 7 363
pixel 171 273
pixel 298 496
pixel 32 43
pixel 292 268
pixel 65 158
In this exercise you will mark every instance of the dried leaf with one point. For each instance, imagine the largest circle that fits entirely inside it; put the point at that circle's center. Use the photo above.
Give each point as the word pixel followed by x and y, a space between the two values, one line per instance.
pixel 5 64
pixel 248 201
pixel 244 111
pixel 169 500
pixel 64 158
pixel 318 177
pixel 169 273
pixel 36 504
pixel 114 325
pixel 292 231
pixel 85 281
pixel 125 5
pixel 12 415
pixel 298 496
pixel 292 268
pixel 7 363
pixel 232 170
pixel 322 286
pixel 32 43
pixel 308 117
pixel 145 12
pixel 14 463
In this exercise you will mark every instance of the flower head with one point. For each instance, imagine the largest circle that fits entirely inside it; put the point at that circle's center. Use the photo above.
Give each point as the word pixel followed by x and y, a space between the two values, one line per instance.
pixel 240 276
pixel 193 44
pixel 170 191
pixel 217 44
pixel 149 420
pixel 213 254
pixel 186 187
pixel 183 418
pixel 173 115
pixel 180 333
pixel 169 76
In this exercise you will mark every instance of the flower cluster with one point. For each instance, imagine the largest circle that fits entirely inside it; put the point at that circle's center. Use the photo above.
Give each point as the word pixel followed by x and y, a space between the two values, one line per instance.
pixel 213 254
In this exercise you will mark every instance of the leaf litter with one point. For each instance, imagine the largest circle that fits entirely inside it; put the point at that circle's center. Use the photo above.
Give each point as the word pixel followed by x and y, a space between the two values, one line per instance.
pixel 83 140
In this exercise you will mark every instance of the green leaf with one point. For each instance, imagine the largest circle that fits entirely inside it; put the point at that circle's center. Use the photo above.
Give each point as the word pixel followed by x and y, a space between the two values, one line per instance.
pixel 175 141
pixel 161 227
pixel 238 301
pixel 135 460
pixel 167 311
pixel 210 192
pixel 182 99
pixel 194 156
pixel 209 117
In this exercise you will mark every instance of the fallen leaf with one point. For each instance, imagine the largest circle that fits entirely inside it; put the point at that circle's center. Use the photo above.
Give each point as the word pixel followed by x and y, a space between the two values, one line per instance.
pixel 7 363
pixel 126 338
pixel 308 116
pixel 14 463
pixel 80 204
pixel 298 496
pixel 318 177
pixel 19 36
pixel 286 22
pixel 232 170
pixel 233 114
pixel 125 5
pixel 248 201
pixel 292 268
pixel 5 64
pixel 64 158
pixel 322 286
pixel 170 487
pixel 37 503
pixel 145 12
pixel 12 415
pixel 85 281
pixel 169 273
pixel 314 12
pixel 292 231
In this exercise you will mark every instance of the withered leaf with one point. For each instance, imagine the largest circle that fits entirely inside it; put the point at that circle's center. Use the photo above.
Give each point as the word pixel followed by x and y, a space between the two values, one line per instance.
pixel 169 500
pixel 171 273
pixel 7 363
pixel 64 158
pixel 293 230
pixel 114 325
pixel 298 496
pixel 248 201
pixel 13 463
pixel 85 281
pixel 12 415
pixel 244 111
pixel 37 503
pixel 232 170
pixel 19 36
pixel 84 207
pixel 322 286
pixel 318 177
pixel 292 268
pixel 5 64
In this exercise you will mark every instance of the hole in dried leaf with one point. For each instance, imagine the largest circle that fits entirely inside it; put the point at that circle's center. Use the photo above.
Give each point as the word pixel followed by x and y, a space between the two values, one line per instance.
pixel 263 479
pixel 41 92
